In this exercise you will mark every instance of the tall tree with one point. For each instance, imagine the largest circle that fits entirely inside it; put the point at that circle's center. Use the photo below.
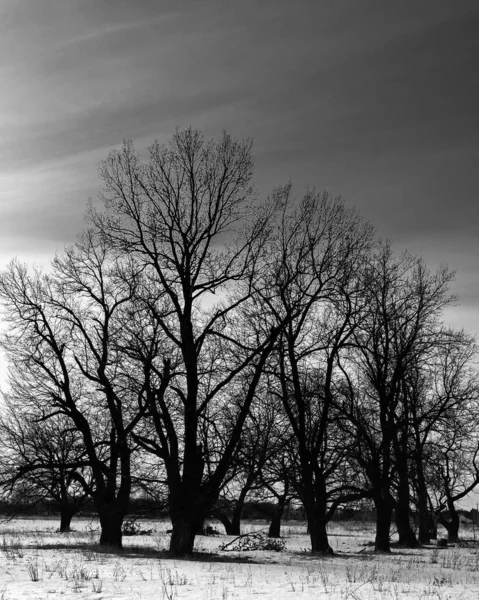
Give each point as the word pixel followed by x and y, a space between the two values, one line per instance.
pixel 189 218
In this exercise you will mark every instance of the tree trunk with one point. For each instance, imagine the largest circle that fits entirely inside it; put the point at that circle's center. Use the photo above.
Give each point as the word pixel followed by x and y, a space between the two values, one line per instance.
pixel 407 538
pixel 234 525
pixel 427 521
pixel 183 534
pixel 319 536
pixel 111 522
pixel 316 518
pixel 274 530
pixel 427 527
pixel 451 525
pixel 236 521
pixel 201 528
pixel 275 525
pixel 383 523
pixel 226 522
pixel 452 528
pixel 66 516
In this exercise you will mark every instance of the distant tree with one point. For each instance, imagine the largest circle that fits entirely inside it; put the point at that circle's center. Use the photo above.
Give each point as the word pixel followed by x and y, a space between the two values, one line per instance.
pixel 453 468
pixel 254 449
pixel 442 392
pixel 403 302
pixel 42 461
pixel 279 471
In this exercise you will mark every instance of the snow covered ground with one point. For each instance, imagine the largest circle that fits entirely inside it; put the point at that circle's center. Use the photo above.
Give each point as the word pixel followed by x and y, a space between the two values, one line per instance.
pixel 38 563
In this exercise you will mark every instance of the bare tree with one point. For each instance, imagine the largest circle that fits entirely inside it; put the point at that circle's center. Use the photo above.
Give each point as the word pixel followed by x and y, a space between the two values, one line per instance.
pixel 404 301
pixel 442 392
pixel 254 449
pixel 62 342
pixel 42 460
pixel 317 254
pixel 452 447
pixel 189 219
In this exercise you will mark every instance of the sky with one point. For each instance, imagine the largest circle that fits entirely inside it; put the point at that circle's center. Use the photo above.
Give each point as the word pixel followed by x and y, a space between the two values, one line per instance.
pixel 377 101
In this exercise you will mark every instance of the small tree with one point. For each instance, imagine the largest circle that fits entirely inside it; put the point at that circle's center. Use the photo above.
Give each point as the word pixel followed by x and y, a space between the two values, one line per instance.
pixel 42 460
pixel 253 451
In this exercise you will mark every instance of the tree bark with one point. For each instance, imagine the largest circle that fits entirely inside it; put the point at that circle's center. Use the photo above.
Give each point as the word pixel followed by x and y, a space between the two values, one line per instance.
pixel 274 530
pixel 66 516
pixel 452 528
pixel 314 501
pixel 183 534
pixel 427 527
pixel 235 528
pixel 111 523
pixel 237 512
pixel 319 537
pixel 384 508
pixel 275 525
pixel 427 521
pixel 227 523
pixel 407 538
pixel 315 507
pixel 451 525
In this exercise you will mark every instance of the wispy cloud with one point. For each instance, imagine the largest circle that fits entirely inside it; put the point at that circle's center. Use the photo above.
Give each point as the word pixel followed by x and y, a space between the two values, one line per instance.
pixel 376 101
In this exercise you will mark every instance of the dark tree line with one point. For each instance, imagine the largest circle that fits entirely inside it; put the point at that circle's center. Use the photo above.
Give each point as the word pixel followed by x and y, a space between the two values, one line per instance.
pixel 250 349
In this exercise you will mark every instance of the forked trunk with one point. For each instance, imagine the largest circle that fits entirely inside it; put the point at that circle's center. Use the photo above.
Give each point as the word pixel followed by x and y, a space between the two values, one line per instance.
pixel 452 523
pixel 227 523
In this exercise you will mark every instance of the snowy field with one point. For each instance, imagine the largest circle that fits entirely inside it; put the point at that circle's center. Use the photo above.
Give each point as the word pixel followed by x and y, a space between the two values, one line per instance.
pixel 38 563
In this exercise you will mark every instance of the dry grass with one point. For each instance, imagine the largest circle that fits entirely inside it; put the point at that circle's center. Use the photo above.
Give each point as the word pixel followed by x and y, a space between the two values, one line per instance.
pixel 38 562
